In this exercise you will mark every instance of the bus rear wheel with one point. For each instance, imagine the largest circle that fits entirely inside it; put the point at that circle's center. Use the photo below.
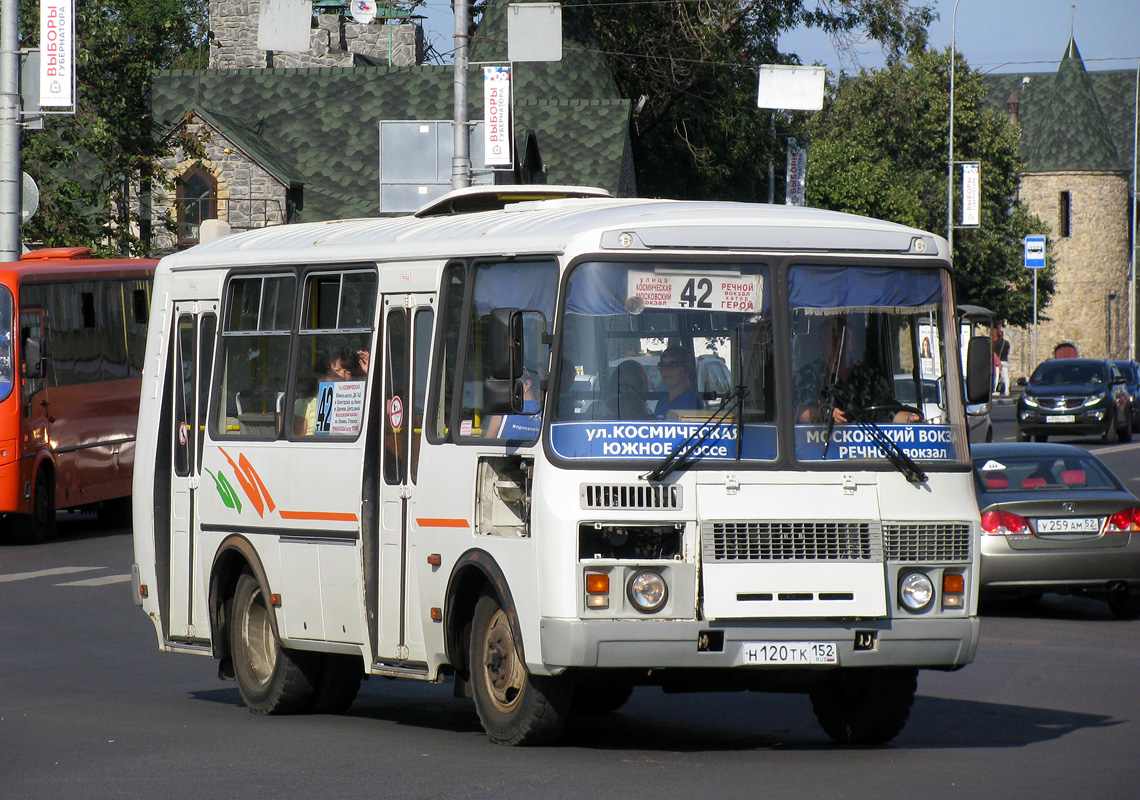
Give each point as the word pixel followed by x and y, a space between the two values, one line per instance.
pixel 864 706
pixel 514 706
pixel 272 679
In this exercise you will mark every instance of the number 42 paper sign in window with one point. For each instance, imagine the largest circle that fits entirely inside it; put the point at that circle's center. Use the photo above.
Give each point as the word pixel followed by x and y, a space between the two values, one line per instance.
pixel 707 291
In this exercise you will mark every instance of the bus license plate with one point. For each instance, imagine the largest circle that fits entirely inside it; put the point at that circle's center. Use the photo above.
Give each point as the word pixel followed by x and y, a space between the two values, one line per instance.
pixel 1061 418
pixel 790 653
pixel 1069 525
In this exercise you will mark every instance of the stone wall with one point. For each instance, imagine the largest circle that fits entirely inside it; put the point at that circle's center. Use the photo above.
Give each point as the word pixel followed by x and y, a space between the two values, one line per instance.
pixel 335 41
pixel 248 195
pixel 1090 301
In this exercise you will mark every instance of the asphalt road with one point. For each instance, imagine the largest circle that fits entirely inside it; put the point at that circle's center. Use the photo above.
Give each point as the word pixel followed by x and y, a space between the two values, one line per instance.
pixel 90 709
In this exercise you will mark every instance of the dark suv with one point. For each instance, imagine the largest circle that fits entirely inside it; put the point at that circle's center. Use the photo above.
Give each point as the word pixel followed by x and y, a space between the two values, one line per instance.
pixel 1075 397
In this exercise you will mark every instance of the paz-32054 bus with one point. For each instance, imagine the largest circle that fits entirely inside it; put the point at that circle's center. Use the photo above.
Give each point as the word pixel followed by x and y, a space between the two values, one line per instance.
pixel 559 450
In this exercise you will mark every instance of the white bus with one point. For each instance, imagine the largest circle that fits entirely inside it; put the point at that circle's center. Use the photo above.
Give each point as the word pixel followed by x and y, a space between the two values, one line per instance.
pixel 429 447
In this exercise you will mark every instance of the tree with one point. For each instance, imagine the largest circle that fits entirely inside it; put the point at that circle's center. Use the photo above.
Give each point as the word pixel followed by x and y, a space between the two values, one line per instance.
pixel 879 148
pixel 698 133
pixel 89 165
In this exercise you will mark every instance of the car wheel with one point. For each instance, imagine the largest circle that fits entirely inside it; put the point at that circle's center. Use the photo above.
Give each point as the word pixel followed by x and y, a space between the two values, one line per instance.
pixel 1111 434
pixel 1022 436
pixel 1041 437
pixel 1124 605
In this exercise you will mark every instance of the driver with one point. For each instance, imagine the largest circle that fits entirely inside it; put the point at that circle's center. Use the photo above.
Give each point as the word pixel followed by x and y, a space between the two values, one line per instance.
pixel 848 384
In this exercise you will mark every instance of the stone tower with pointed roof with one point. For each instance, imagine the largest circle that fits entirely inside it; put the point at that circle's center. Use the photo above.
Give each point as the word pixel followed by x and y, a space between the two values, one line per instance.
pixel 1077 139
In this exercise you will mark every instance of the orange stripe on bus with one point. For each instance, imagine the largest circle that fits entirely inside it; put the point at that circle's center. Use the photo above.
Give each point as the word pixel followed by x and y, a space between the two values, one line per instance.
pixel 443 523
pixel 331 516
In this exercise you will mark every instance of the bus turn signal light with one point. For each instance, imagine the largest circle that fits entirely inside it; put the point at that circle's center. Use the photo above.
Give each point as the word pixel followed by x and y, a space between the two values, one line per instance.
pixel 597 590
pixel 953 590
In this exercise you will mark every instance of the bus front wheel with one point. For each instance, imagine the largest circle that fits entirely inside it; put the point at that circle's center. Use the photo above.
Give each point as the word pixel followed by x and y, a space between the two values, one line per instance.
pixel 864 706
pixel 40 524
pixel 272 679
pixel 514 706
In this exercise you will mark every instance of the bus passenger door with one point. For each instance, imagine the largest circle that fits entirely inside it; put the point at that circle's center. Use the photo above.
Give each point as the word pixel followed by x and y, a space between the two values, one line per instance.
pixel 408 323
pixel 192 353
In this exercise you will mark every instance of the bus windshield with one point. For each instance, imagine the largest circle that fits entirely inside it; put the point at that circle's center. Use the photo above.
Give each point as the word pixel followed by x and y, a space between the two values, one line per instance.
pixel 650 352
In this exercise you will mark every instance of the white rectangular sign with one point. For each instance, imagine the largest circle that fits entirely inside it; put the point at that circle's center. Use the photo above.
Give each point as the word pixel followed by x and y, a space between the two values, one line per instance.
pixel 497 116
pixel 971 194
pixel 57 53
pixel 796 178
pixel 791 87
pixel 711 291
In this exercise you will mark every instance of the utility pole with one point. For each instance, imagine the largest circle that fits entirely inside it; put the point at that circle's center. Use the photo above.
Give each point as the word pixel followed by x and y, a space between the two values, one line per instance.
pixel 461 154
pixel 10 176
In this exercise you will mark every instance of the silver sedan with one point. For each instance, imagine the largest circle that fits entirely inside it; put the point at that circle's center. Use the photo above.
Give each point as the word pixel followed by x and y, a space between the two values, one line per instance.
pixel 1055 518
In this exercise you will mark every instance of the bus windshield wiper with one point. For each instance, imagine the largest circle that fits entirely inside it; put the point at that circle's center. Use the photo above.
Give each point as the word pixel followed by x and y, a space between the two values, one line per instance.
pixel 680 455
pixel 895 454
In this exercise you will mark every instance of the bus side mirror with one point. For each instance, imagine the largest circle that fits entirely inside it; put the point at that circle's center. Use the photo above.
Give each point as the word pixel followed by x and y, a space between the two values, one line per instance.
pixel 502 396
pixel 506 344
pixel 33 359
pixel 979 370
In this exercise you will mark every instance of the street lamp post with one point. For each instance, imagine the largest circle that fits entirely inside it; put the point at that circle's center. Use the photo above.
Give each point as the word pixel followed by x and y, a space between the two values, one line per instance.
pixel 950 154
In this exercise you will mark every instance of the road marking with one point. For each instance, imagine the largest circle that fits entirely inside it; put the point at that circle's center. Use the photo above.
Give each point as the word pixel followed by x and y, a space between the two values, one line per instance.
pixel 43 573
pixel 1117 448
pixel 102 581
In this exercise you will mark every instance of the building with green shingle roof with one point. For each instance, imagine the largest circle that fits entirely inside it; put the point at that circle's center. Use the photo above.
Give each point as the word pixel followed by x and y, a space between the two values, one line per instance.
pixel 302 143
pixel 1077 135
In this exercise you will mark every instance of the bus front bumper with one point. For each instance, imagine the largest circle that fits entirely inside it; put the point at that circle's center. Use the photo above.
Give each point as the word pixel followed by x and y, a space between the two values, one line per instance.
pixel 934 643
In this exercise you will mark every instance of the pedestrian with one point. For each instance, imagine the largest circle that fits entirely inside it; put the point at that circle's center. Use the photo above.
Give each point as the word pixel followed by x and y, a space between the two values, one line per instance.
pixel 1001 360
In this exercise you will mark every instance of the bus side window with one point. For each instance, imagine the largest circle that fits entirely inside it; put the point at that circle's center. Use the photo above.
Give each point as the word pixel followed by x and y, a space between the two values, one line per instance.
pixel 254 356
pixel 334 353
pixel 528 286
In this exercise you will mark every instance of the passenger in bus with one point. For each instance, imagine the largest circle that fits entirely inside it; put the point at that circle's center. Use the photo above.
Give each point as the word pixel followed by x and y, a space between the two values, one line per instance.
pixel 628 392
pixel 679 376
pixel 332 366
pixel 848 385
pixel 519 426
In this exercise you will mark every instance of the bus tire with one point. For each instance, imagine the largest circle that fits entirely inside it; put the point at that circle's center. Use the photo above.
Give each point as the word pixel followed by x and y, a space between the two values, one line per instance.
pixel 271 679
pixel 514 707
pixel 40 524
pixel 864 706
pixel 338 684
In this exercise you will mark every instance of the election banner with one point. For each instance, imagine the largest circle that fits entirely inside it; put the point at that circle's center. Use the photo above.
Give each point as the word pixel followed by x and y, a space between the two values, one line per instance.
pixel 57 53
pixel 971 194
pixel 497 116
pixel 797 174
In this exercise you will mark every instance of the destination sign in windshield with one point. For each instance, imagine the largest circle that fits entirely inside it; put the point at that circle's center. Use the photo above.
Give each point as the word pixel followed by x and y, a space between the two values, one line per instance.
pixel 701 291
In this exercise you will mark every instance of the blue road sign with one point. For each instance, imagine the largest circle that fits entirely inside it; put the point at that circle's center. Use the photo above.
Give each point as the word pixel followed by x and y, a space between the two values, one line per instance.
pixel 1034 252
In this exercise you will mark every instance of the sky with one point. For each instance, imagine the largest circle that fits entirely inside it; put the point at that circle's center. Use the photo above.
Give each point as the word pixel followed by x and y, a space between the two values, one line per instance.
pixel 992 35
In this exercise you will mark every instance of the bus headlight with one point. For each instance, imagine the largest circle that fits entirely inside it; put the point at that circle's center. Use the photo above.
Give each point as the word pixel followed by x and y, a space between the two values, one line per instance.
pixel 916 591
pixel 647 591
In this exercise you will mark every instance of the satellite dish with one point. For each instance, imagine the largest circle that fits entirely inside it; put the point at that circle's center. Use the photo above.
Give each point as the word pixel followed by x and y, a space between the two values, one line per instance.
pixel 363 11
pixel 31 198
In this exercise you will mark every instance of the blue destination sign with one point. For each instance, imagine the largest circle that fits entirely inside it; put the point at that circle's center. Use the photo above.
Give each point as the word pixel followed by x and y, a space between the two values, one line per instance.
pixel 920 442
pixel 635 441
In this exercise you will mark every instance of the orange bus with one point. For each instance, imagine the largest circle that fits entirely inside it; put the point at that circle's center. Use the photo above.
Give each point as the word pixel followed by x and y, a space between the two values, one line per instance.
pixel 72 336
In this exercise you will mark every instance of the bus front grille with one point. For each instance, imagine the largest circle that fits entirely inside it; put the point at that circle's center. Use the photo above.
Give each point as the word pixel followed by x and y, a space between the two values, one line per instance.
pixel 632 496
pixel 790 540
pixel 926 541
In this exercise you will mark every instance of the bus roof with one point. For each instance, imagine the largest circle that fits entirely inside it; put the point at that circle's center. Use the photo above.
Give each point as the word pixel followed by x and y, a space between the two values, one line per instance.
pixel 623 225
pixel 72 269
